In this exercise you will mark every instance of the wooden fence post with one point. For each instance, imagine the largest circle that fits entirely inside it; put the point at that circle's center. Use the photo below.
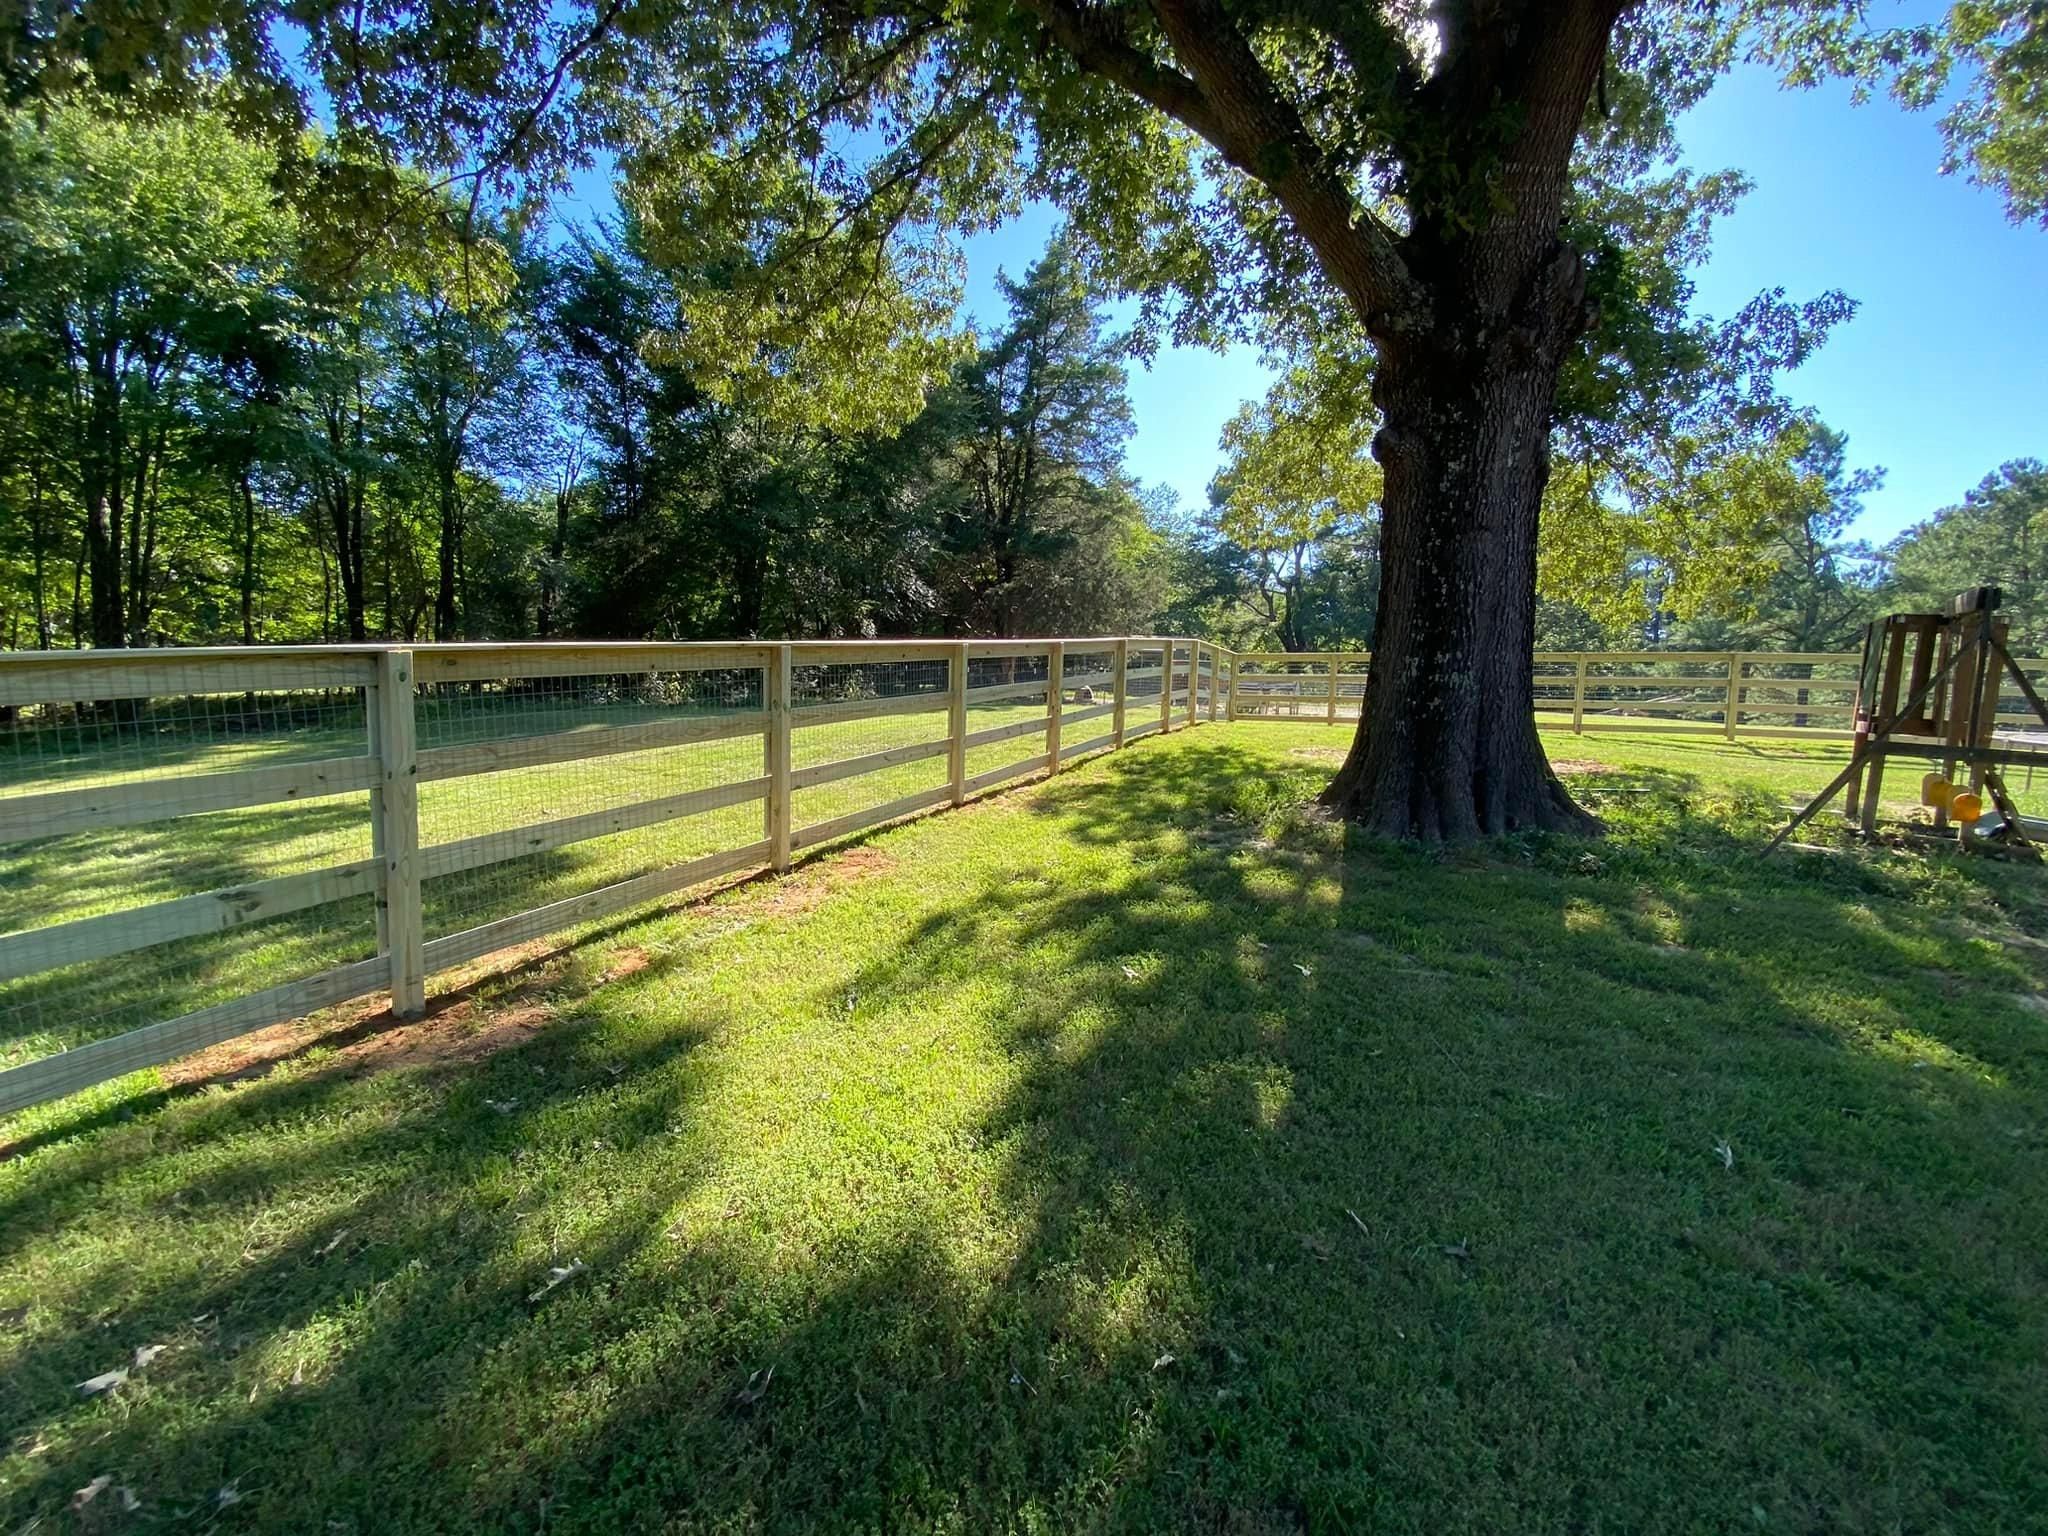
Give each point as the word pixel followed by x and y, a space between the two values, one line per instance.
pixel 1194 692
pixel 1579 697
pixel 1166 687
pixel 778 703
pixel 1120 689
pixel 1055 697
pixel 1734 705
pixel 956 723
pixel 1336 666
pixel 397 812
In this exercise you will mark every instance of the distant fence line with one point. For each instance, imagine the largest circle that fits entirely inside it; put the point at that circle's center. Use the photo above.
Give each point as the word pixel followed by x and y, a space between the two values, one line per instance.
pixel 195 844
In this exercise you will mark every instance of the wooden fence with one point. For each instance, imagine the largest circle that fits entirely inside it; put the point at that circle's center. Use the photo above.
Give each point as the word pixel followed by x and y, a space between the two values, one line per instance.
pixel 196 844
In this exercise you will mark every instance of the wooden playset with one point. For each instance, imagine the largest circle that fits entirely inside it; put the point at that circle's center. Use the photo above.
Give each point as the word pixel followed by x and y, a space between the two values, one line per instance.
pixel 1948 667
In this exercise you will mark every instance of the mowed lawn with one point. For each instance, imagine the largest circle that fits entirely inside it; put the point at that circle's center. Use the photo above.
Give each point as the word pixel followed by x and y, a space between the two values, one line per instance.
pixel 1133 1152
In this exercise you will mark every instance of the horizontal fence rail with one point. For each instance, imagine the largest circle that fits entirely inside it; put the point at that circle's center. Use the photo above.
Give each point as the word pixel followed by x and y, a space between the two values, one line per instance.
pixel 197 844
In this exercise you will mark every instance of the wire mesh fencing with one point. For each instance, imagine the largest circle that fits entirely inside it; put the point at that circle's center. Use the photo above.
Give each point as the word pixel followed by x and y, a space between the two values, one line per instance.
pixel 194 845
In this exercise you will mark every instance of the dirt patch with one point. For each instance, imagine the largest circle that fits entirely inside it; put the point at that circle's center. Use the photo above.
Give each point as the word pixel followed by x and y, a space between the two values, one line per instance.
pixel 455 1028
pixel 1581 765
pixel 814 882
pixel 1320 754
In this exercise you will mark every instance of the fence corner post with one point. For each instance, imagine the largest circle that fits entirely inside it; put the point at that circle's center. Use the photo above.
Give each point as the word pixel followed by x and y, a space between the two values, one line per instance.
pixel 1733 710
pixel 776 698
pixel 1579 697
pixel 956 723
pixel 1055 697
pixel 1194 678
pixel 397 813
pixel 1166 649
pixel 1120 688
pixel 1336 668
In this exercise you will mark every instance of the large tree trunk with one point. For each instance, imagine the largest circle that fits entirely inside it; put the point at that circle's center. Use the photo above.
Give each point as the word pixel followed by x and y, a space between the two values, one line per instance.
pixel 1447 745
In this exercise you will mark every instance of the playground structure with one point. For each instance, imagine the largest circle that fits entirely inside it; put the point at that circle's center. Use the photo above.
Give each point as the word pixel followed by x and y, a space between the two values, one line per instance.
pixel 1949 667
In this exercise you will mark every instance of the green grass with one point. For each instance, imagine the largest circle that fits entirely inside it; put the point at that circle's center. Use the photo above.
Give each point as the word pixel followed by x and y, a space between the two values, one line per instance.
pixel 82 875
pixel 1136 1152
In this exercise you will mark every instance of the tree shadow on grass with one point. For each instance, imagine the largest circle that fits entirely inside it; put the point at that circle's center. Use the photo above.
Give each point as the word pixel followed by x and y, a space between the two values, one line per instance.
pixel 1273 1180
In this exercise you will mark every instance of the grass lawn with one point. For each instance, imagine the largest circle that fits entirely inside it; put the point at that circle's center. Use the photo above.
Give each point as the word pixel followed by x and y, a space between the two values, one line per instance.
pixel 1133 1152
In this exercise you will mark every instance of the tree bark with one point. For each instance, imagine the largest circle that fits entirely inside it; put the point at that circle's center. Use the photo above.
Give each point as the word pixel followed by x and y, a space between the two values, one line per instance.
pixel 1447 746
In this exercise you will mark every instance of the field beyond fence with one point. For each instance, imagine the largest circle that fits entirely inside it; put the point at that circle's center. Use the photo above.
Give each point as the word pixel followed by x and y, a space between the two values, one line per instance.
pixel 197 844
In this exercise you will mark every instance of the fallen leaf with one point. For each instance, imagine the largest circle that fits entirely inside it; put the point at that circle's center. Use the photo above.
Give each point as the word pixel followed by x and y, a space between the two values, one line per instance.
pixel 1356 1222
pixel 560 1275
pixel 1305 970
pixel 1726 1153
pixel 331 1244
pixel 106 1381
pixel 1459 1250
pixel 1162 1362
pixel 146 1353
pixel 1130 973
pixel 503 1106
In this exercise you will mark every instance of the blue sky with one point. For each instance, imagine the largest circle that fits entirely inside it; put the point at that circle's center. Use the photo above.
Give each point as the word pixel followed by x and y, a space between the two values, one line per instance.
pixel 1941 376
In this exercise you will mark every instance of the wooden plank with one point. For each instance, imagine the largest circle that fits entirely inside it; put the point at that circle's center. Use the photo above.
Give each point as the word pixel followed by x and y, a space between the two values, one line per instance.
pixel 120 933
pixel 575 658
pixel 1001 648
pixel 1014 770
pixel 1146 729
pixel 780 797
pixel 1166 688
pixel 457 948
pixel 1055 703
pixel 539 751
pixel 866 709
pixel 82 677
pixel 1014 729
pixel 994 691
pixel 1091 712
pixel 857 821
pixel 847 653
pixel 854 767
pixel 1092 744
pixel 1120 687
pixel 956 724
pixel 66 1072
pixel 495 847
pixel 133 801
pixel 396 808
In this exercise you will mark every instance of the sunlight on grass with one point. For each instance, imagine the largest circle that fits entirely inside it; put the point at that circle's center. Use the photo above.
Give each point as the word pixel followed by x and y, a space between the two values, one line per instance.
pixel 1133 1152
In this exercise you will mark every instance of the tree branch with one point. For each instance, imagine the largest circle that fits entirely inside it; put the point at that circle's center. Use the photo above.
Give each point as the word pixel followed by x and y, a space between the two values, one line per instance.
pixel 1227 97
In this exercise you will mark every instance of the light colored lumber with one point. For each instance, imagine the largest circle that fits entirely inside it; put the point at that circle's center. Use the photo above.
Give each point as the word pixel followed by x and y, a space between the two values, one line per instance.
pixel 1030 649
pixel 66 1072
pixel 991 692
pixel 869 762
pixel 1092 744
pixel 857 821
pixel 1015 728
pixel 1090 712
pixel 457 948
pixel 574 658
pixel 1120 687
pixel 133 801
pixel 845 653
pixel 581 743
pixel 517 842
pixel 81 677
pixel 840 710
pixel 396 807
pixel 1009 771
pixel 776 696
pixel 956 724
pixel 1055 703
pixel 1137 731
pixel 118 933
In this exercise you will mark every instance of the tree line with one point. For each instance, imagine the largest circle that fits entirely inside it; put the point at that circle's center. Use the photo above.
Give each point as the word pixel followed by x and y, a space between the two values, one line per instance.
pixel 220 422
